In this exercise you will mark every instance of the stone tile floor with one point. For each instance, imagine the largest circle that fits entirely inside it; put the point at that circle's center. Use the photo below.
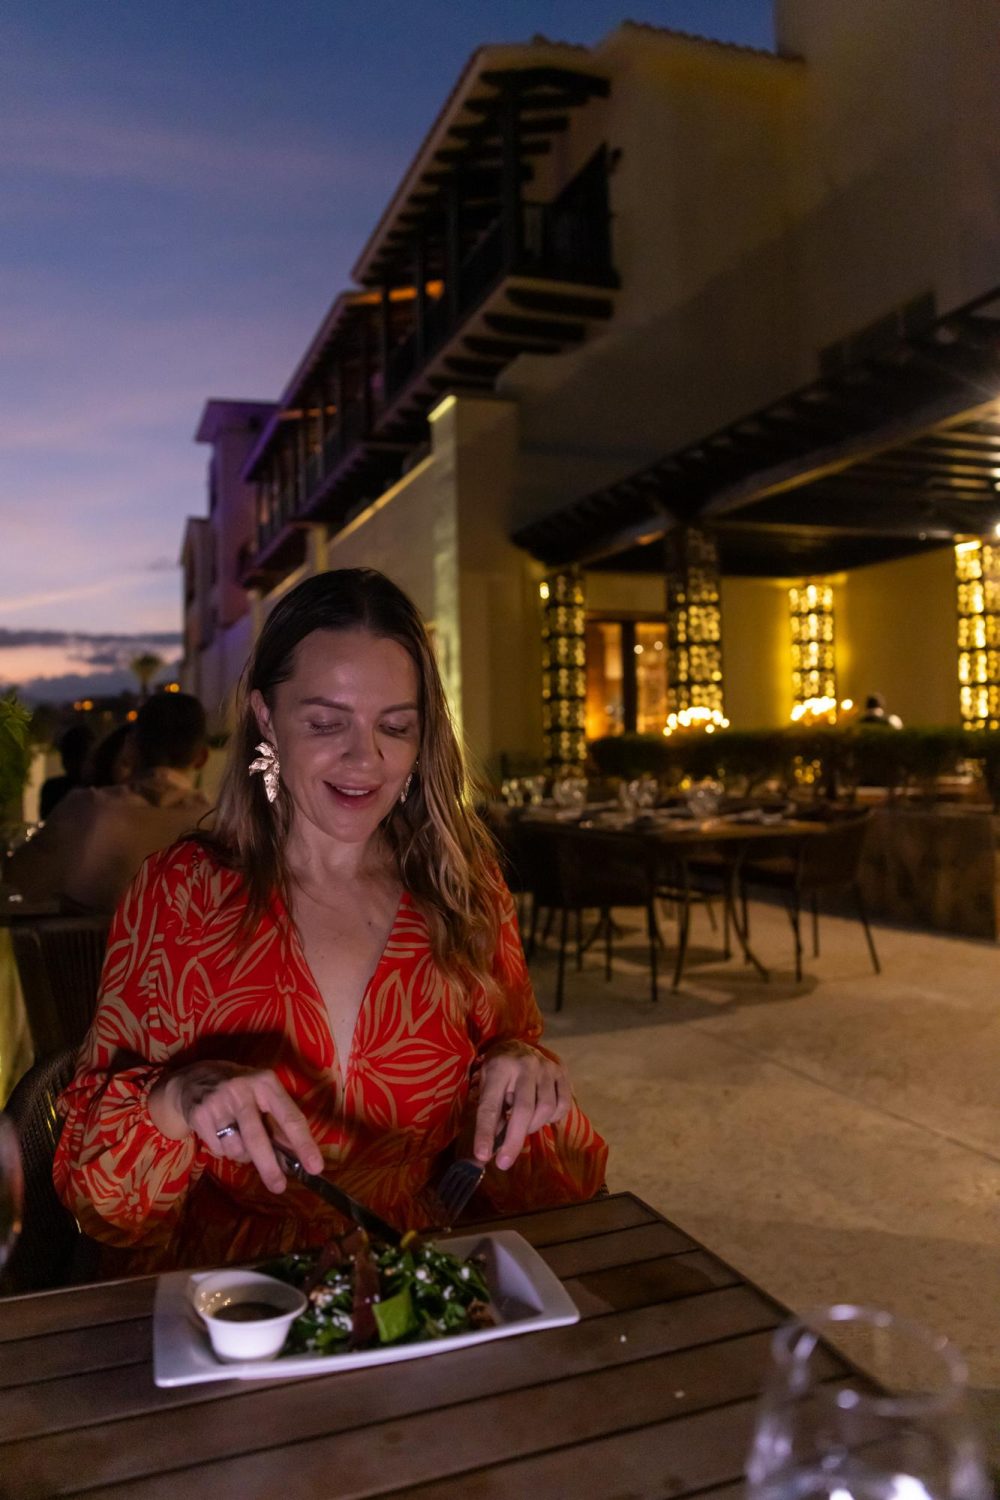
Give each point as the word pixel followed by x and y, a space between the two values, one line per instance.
pixel 836 1139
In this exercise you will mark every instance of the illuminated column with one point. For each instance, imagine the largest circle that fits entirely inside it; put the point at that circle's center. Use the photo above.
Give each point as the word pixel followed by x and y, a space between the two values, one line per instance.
pixel 694 622
pixel 564 681
pixel 814 674
pixel 977 575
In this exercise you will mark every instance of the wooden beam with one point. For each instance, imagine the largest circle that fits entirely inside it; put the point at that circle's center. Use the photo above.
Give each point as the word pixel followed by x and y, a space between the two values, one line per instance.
pixel 547 124
pixel 509 348
pixel 489 155
pixel 510 178
pixel 545 328
pixel 839 456
pixel 574 304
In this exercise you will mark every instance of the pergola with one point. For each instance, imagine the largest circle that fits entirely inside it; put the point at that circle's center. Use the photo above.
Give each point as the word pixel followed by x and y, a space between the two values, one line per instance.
pixel 895 447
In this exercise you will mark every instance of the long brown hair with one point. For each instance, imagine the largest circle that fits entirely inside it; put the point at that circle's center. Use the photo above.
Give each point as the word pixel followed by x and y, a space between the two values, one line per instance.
pixel 444 854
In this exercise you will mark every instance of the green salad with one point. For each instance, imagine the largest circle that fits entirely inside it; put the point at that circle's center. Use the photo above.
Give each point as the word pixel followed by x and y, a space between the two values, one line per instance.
pixel 364 1295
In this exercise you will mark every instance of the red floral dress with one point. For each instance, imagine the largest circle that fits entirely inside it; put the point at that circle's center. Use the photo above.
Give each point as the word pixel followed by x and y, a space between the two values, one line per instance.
pixel 182 983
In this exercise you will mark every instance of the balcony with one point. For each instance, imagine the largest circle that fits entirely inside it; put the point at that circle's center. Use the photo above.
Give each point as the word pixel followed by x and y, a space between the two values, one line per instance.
pixel 280 549
pixel 465 272
pixel 530 298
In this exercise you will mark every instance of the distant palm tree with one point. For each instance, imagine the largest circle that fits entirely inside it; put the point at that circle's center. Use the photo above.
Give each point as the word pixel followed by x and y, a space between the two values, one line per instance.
pixel 145 668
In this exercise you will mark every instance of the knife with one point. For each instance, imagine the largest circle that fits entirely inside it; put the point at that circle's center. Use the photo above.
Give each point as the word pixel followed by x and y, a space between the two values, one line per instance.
pixel 336 1197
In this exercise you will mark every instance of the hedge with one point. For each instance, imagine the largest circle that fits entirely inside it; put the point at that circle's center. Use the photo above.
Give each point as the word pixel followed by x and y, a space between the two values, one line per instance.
pixel 845 756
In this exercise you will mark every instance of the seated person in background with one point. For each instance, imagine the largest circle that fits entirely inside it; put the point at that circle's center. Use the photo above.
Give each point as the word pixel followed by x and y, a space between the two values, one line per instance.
pixel 74 748
pixel 97 838
pixel 874 713
pixel 337 963
pixel 113 760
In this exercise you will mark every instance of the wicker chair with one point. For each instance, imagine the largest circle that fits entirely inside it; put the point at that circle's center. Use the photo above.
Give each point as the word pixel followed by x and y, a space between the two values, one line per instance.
pixel 821 864
pixel 59 962
pixel 575 870
pixel 48 1252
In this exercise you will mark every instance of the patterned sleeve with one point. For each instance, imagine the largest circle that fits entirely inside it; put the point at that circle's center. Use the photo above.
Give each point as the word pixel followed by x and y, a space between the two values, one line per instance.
pixel 124 1181
pixel 562 1163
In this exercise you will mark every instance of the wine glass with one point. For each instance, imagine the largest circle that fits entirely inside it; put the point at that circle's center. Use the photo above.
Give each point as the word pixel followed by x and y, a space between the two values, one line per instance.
pixel 647 791
pixel 704 799
pixel 893 1425
pixel 11 1188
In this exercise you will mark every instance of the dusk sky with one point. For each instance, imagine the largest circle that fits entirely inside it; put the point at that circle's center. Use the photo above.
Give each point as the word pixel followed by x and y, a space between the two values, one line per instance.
pixel 183 190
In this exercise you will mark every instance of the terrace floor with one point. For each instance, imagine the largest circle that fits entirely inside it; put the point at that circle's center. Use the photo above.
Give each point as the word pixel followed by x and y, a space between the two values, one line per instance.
pixel 836 1140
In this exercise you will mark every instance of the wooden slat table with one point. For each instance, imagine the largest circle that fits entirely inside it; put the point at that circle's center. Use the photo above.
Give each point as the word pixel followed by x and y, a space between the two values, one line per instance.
pixel 650 1394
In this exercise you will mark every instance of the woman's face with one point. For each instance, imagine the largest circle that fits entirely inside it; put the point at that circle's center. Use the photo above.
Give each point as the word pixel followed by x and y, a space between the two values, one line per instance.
pixel 346 726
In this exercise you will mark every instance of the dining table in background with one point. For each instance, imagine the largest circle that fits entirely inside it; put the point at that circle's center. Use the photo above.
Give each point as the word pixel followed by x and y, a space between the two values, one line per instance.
pixel 651 1394
pixel 16 1050
pixel 733 836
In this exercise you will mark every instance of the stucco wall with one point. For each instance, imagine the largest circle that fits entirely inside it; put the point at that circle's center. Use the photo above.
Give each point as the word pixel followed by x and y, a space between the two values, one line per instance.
pixel 706 324
pixel 763 209
pixel 500 608
pixel 233 520
pixel 644 593
pixel 409 533
pixel 900 153
pixel 896 634
pixel 756 652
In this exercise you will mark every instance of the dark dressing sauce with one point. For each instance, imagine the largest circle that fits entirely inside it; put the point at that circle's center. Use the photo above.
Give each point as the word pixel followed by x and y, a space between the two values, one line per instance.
pixel 247 1312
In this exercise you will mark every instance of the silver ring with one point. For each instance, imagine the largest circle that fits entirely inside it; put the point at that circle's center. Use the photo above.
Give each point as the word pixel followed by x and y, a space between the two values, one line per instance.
pixel 226 1131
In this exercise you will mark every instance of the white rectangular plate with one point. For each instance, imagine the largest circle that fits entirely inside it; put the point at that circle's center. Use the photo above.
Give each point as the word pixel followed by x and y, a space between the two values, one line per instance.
pixel 525 1297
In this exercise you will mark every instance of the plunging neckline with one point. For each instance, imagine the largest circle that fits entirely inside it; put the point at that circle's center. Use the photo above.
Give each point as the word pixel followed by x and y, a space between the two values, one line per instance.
pixel 342 1067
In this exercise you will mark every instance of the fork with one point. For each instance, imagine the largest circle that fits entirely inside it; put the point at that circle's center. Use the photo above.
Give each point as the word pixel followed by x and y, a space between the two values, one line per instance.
pixel 460 1180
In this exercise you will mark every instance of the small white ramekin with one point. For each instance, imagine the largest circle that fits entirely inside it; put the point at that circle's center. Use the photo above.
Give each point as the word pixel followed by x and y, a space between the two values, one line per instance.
pixel 260 1338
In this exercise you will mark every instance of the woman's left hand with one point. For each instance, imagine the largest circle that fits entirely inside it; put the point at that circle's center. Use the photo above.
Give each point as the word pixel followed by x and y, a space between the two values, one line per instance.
pixel 533 1089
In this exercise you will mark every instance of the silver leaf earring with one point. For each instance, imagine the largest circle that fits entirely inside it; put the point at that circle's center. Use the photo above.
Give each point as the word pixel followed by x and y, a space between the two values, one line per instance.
pixel 268 762
pixel 406 788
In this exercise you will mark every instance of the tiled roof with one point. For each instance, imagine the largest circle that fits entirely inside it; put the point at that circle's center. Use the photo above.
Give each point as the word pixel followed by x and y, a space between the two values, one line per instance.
pixel 706 41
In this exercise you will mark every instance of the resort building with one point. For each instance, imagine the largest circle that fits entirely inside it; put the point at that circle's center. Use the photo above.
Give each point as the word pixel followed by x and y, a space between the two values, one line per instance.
pixel 670 379
pixel 221 616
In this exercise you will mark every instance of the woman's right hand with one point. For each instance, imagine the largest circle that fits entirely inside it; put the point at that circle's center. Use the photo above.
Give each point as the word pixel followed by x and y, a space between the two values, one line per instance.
pixel 204 1097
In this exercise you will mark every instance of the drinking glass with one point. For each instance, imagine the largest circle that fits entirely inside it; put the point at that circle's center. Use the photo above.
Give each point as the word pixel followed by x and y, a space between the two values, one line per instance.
pixel 627 795
pixel 894 1427
pixel 704 799
pixel 647 791
pixel 578 792
pixel 11 1188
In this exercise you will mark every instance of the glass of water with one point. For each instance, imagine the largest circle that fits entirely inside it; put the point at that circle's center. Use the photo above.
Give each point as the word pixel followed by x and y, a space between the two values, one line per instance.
pixel 704 799
pixel 11 1188
pixel 890 1424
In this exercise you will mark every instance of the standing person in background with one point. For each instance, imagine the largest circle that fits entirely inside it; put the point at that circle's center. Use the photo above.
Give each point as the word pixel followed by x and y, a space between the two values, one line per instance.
pixel 337 964
pixel 74 747
pixel 97 838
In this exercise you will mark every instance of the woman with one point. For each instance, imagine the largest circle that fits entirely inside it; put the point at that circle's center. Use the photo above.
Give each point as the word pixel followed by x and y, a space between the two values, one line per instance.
pixel 337 964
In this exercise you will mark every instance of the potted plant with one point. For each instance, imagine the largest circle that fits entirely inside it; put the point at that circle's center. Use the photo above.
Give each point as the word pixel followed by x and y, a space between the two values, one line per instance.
pixel 15 755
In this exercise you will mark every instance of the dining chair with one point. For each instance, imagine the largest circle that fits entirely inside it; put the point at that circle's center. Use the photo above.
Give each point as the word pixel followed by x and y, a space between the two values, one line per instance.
pixel 816 865
pixel 51 1250
pixel 686 882
pixel 514 858
pixel 59 961
pixel 573 870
